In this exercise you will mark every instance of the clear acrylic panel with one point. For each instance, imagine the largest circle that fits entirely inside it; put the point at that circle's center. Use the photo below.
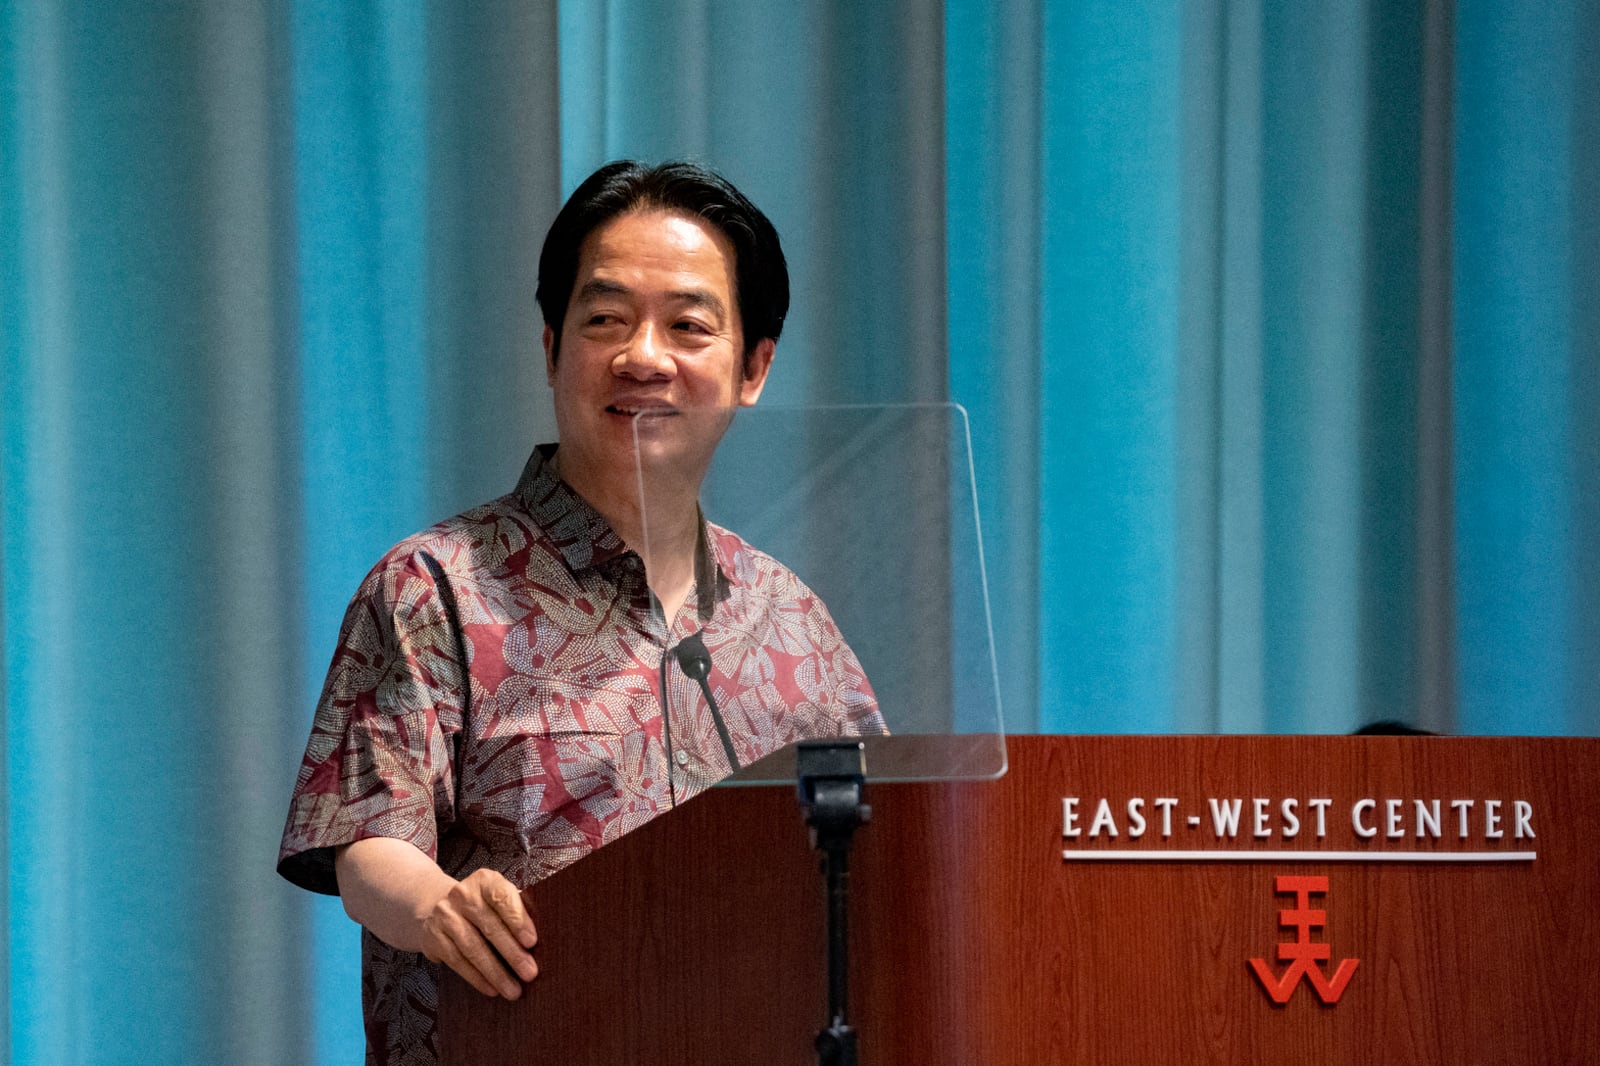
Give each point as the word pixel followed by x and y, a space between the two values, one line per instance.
pixel 837 543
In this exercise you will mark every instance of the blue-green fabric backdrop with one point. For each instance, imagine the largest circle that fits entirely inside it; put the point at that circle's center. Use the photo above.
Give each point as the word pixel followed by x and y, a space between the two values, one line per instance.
pixel 1279 326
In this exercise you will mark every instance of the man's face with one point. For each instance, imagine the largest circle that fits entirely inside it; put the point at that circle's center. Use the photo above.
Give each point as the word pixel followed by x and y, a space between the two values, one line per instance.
pixel 652 327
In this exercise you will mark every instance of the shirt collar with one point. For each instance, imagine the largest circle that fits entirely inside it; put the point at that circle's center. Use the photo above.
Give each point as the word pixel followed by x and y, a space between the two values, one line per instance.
pixel 579 532
pixel 710 572
pixel 585 539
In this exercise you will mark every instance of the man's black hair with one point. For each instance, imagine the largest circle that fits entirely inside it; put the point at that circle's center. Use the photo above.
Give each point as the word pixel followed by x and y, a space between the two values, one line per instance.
pixel 761 276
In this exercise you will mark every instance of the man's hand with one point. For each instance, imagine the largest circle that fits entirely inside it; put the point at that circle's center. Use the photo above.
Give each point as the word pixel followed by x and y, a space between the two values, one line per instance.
pixel 402 896
pixel 482 910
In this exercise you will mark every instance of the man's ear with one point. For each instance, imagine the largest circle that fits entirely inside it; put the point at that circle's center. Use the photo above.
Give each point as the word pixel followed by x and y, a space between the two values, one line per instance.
pixel 549 354
pixel 756 365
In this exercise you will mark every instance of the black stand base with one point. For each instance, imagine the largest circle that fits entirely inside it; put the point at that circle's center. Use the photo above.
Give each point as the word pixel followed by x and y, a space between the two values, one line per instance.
pixel 836 1046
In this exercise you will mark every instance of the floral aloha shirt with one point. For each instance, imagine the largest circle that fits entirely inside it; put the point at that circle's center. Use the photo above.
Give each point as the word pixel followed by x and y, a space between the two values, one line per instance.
pixel 554 740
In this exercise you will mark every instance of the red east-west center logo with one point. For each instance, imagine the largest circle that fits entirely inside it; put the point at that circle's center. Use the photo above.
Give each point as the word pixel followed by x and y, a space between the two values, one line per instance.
pixel 1303 954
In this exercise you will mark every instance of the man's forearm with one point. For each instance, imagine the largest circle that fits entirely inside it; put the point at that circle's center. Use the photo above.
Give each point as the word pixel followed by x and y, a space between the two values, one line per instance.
pixel 390 886
pixel 476 926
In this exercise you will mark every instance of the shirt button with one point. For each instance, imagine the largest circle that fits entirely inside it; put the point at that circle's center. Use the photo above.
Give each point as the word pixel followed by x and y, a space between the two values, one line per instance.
pixel 683 757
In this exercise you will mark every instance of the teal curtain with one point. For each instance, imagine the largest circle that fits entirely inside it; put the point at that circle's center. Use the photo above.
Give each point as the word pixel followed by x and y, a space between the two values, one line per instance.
pixel 1527 387
pixel 266 306
pixel 1278 326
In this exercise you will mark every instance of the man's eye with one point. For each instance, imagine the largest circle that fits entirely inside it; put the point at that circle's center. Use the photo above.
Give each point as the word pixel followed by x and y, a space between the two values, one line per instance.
pixel 689 326
pixel 602 318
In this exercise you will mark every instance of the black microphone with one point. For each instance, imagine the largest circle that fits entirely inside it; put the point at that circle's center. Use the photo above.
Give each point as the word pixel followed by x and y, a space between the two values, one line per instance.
pixel 695 662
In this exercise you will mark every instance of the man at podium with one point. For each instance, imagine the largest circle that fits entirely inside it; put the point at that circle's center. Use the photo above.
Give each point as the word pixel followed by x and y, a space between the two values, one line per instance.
pixel 522 683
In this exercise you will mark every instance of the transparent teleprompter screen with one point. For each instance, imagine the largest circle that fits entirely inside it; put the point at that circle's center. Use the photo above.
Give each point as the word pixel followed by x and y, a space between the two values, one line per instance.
pixel 823 573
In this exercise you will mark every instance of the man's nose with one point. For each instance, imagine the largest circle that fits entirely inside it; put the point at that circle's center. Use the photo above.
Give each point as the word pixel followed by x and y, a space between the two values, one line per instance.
pixel 646 356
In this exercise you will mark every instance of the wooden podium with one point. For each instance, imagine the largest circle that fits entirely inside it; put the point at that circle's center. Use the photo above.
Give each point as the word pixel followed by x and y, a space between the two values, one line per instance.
pixel 982 934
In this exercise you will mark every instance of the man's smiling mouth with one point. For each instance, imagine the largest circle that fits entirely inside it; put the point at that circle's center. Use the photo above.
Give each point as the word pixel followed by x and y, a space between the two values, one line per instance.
pixel 641 410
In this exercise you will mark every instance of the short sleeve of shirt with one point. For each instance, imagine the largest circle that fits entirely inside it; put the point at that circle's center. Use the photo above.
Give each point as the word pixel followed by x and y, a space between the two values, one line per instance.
pixel 380 759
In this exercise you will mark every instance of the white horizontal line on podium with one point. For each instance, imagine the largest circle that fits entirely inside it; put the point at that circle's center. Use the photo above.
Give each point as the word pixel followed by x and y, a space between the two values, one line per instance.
pixel 1156 855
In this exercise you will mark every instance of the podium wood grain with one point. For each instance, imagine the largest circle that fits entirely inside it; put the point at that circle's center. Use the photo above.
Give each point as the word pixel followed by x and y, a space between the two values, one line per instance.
pixel 697 939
